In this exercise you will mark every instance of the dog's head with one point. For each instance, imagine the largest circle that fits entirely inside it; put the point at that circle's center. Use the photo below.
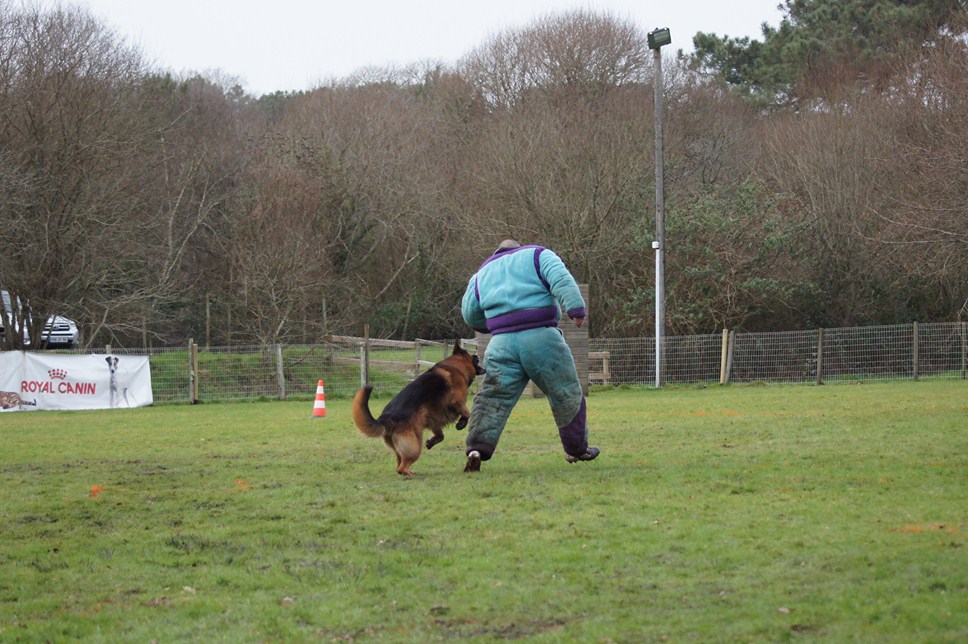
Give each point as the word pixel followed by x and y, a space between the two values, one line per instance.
pixel 112 363
pixel 472 362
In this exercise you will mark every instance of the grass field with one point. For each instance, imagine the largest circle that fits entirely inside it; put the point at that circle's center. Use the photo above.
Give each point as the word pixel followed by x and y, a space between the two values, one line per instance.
pixel 749 514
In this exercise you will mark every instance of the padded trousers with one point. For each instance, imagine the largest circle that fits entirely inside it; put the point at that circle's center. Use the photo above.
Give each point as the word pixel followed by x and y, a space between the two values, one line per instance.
pixel 511 359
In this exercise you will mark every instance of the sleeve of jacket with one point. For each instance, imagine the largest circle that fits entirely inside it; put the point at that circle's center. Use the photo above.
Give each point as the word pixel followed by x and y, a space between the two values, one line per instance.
pixel 470 308
pixel 562 284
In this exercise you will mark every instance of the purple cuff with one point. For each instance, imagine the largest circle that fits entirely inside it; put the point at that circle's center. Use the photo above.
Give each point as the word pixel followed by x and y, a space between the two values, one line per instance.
pixel 574 435
pixel 576 313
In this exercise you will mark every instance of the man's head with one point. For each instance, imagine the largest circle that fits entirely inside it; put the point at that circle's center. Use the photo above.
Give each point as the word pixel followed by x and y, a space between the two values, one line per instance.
pixel 506 245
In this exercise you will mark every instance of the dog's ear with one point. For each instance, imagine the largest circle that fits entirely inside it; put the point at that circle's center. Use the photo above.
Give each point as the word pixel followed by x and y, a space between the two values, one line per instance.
pixel 457 347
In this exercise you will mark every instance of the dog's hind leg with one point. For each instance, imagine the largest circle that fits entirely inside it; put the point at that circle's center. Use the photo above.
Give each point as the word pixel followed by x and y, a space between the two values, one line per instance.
pixel 391 441
pixel 407 447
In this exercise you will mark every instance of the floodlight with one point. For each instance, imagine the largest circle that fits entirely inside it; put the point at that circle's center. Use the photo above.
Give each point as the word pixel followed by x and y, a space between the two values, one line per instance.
pixel 659 38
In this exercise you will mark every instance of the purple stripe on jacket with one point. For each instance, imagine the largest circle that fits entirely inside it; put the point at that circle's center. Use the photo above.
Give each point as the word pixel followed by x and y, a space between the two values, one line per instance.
pixel 523 320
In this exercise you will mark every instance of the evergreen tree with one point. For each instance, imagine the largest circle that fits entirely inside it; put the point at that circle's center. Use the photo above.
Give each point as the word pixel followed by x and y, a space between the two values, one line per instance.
pixel 821 44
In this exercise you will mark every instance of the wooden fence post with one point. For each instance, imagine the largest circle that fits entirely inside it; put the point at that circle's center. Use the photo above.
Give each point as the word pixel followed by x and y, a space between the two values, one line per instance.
pixel 365 357
pixel 914 352
pixel 964 350
pixel 729 356
pixel 819 356
pixel 192 372
pixel 280 373
pixel 416 364
pixel 722 358
pixel 208 321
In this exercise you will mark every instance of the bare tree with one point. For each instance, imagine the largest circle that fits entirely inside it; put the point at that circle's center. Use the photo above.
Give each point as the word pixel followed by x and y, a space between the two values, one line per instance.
pixel 563 158
pixel 64 85
pixel 131 199
pixel 579 50
pixel 828 162
pixel 925 218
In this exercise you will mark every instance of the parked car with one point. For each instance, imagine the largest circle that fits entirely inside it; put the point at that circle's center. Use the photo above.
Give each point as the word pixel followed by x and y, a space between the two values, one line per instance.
pixel 59 332
pixel 8 308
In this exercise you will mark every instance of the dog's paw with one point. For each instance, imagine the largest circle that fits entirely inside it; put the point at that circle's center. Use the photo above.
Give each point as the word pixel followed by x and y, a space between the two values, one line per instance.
pixel 461 423
pixel 432 441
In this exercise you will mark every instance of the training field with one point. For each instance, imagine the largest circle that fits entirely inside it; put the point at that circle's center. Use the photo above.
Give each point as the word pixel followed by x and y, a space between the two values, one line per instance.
pixel 751 514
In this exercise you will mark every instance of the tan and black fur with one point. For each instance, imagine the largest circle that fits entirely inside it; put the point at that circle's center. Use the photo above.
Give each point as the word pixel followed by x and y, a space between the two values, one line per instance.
pixel 435 398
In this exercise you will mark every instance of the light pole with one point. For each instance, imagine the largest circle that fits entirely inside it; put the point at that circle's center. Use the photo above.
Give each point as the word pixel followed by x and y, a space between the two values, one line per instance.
pixel 658 38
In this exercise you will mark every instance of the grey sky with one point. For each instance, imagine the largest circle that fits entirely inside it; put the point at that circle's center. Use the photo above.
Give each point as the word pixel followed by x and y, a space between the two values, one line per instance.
pixel 296 44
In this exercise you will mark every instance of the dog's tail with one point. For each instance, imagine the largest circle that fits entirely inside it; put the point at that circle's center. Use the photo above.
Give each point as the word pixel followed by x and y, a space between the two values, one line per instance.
pixel 365 422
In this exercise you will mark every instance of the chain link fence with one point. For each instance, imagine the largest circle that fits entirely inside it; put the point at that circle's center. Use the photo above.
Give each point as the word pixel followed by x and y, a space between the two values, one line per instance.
pixel 909 351
pixel 210 374
pixel 202 374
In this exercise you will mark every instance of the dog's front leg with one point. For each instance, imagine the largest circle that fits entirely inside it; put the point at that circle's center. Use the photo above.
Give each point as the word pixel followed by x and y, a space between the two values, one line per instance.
pixel 463 414
pixel 436 438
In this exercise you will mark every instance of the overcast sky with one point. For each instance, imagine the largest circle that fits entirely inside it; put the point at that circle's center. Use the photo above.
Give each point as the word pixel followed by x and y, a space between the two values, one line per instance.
pixel 288 45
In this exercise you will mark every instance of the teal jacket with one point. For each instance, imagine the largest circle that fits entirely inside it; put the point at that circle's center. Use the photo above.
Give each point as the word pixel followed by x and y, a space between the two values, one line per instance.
pixel 520 288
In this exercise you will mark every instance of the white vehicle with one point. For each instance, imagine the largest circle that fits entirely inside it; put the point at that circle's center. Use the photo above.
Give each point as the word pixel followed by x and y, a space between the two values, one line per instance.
pixel 59 332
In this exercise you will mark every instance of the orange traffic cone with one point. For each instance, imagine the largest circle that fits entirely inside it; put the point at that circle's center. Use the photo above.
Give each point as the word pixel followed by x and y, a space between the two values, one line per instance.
pixel 319 407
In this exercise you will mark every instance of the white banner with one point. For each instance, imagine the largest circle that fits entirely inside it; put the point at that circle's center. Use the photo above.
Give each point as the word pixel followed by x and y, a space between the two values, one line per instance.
pixel 30 381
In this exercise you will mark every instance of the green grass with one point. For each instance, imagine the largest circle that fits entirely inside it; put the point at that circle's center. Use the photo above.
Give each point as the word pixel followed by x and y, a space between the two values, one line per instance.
pixel 753 514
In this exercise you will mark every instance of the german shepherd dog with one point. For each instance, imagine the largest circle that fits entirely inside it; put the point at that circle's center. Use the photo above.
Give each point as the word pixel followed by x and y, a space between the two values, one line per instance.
pixel 435 398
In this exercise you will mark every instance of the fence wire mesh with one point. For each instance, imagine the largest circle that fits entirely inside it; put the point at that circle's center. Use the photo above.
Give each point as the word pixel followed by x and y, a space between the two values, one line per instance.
pixel 775 357
pixel 911 351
